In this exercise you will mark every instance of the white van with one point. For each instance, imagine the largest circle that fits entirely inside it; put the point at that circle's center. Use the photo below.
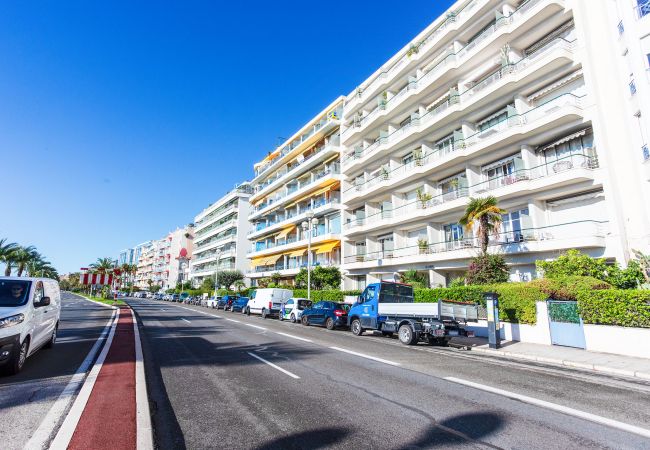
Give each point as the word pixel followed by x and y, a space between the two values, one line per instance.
pixel 30 309
pixel 267 301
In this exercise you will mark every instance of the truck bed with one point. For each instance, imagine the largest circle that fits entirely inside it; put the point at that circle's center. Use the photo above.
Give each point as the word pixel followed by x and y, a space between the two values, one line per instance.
pixel 453 311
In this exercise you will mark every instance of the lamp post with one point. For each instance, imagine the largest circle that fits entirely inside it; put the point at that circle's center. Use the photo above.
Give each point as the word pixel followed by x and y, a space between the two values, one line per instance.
pixel 216 274
pixel 308 226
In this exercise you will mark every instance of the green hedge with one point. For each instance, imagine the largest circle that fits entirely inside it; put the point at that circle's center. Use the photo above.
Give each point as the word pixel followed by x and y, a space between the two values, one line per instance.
pixel 516 300
pixel 567 288
pixel 625 308
pixel 333 295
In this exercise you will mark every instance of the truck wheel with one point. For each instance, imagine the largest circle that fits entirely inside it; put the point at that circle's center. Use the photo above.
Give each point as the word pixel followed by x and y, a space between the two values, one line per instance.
pixel 263 313
pixel 406 335
pixel 280 317
pixel 248 311
pixel 292 318
pixel 305 321
pixel 356 327
pixel 329 323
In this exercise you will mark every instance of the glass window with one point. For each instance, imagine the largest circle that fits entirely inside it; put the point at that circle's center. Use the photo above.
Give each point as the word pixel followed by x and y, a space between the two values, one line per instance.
pixel 493 121
pixel 14 293
pixel 445 145
pixel 39 292
pixel 453 232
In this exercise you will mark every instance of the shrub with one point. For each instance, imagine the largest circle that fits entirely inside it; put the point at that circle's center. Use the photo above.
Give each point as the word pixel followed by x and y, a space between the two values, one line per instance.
pixel 517 301
pixel 472 294
pixel 332 295
pixel 615 307
pixel 567 287
pixel 487 269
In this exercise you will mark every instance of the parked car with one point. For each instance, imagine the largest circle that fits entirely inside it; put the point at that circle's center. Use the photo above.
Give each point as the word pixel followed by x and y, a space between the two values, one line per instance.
pixel 225 301
pixel 292 309
pixel 176 298
pixel 267 301
pixel 328 314
pixel 212 302
pixel 239 304
pixel 30 309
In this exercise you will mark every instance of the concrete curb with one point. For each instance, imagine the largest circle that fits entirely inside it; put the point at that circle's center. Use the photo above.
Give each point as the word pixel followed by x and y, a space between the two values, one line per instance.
pixel 143 414
pixel 562 362
pixel 95 302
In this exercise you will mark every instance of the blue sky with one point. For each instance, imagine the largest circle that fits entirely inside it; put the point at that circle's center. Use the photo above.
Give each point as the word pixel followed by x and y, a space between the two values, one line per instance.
pixel 119 121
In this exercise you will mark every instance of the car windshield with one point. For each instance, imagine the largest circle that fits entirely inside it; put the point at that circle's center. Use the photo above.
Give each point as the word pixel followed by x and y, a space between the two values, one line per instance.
pixel 14 292
pixel 343 306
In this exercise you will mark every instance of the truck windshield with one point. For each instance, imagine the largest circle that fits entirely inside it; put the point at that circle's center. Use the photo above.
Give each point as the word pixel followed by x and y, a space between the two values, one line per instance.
pixel 395 293
pixel 14 292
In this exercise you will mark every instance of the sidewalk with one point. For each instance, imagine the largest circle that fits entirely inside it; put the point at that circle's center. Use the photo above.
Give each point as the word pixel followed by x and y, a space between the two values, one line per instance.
pixel 565 356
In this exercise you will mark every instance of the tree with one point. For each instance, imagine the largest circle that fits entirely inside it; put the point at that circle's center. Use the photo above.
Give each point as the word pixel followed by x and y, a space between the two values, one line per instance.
pixel 239 285
pixel 487 269
pixel 321 278
pixel 228 277
pixel 486 215
pixel 102 265
pixel 22 256
pixel 644 264
pixel 414 278
pixel 6 254
pixel 207 285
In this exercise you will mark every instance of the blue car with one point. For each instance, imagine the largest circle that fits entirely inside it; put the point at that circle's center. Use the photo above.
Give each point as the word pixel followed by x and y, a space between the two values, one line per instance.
pixel 239 304
pixel 327 314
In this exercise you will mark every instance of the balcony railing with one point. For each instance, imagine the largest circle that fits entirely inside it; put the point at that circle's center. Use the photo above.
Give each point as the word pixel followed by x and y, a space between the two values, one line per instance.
pixel 213 214
pixel 212 268
pixel 201 245
pixel 214 226
pixel 566 163
pixel 478 137
pixel 459 98
pixel 516 241
pixel 282 266
pixel 297 217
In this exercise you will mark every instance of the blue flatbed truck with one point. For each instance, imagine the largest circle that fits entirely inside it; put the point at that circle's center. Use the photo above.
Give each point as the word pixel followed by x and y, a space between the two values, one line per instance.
pixel 390 308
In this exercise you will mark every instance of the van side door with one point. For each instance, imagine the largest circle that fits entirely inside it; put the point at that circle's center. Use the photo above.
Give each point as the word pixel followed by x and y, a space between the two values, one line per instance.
pixel 40 324
pixel 50 312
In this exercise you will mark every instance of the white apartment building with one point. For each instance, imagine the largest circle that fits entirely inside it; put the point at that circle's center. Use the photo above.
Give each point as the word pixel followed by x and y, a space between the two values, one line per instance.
pixel 298 182
pixel 220 241
pixel 162 262
pixel 529 101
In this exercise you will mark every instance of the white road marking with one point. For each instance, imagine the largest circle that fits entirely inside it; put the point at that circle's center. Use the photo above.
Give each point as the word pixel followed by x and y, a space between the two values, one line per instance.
pixel 233 320
pixel 555 407
pixel 374 358
pixel 64 435
pixel 292 375
pixel 144 430
pixel 200 312
pixel 255 326
pixel 186 320
pixel 42 434
pixel 293 337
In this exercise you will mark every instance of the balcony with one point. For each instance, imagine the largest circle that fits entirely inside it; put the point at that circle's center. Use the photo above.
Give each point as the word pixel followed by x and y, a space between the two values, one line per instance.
pixel 564 171
pixel 210 269
pixel 447 60
pixel 295 193
pixel 213 216
pixel 579 234
pixel 497 134
pixel 316 210
pixel 213 242
pixel 462 101
pixel 215 228
pixel 286 269
pixel 320 238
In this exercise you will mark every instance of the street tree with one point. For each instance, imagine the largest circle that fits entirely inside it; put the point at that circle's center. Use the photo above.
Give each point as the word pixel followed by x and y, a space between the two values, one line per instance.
pixel 485 215
pixel 228 277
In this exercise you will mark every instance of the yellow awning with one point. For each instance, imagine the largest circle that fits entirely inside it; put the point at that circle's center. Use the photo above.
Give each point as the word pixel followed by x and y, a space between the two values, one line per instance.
pixel 256 262
pixel 325 248
pixel 321 191
pixel 272 259
pixel 285 232
pixel 297 253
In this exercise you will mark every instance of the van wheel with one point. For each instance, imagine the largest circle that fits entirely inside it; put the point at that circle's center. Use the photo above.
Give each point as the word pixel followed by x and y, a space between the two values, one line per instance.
pixel 52 340
pixel 248 311
pixel 292 318
pixel 263 313
pixel 329 323
pixel 305 321
pixel 17 361
pixel 356 327
pixel 406 335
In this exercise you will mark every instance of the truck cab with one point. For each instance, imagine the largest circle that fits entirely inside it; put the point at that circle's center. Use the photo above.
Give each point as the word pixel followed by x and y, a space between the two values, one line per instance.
pixel 390 308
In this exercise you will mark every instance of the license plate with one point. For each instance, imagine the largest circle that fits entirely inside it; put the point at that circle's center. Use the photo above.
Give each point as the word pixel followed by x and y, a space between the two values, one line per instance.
pixel 470 334
pixel 453 333
pixel 439 332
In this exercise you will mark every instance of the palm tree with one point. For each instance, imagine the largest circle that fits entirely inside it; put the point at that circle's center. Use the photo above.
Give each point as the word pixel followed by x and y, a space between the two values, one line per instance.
pixel 125 269
pixel 23 255
pixel 6 255
pixel 486 214
pixel 39 267
pixel 102 265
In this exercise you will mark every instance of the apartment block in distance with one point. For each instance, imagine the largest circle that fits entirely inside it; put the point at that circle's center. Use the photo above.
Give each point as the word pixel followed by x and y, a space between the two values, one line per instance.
pixel 220 235
pixel 528 101
pixel 162 262
pixel 299 181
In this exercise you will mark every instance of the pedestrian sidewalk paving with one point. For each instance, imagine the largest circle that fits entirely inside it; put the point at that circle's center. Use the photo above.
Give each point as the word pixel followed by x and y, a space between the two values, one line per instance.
pixel 610 364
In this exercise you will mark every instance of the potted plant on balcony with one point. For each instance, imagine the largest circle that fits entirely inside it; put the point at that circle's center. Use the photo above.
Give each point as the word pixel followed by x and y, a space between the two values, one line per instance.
pixel 418 157
pixel 423 198
pixel 384 173
pixel 413 50
pixel 383 100
pixel 423 246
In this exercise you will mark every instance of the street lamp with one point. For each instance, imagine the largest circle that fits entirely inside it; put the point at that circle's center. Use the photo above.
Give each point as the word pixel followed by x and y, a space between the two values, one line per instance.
pixel 308 226
pixel 216 274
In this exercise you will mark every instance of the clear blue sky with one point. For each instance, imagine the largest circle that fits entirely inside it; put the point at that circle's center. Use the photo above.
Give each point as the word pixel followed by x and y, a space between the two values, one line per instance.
pixel 120 121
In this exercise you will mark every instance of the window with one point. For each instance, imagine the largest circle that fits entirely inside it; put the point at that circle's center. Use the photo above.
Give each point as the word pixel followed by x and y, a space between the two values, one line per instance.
pixel 620 27
pixel 502 172
pixel 570 151
pixel 386 243
pixel 493 120
pixel 632 87
pixel 445 145
pixel 360 248
pixel 453 232
pixel 514 225
pixel 643 7
pixel 335 224
pixel 39 292
pixel 407 159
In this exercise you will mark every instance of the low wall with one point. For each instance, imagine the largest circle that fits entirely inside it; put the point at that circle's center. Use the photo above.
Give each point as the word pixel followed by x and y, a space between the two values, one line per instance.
pixel 537 334
pixel 618 340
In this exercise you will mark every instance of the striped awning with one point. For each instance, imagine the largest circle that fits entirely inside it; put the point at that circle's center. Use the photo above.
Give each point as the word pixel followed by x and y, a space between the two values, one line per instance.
pixel 564 139
pixel 326 248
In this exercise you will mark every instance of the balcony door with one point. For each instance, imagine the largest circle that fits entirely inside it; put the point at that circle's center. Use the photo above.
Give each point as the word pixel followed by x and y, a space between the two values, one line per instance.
pixel 387 246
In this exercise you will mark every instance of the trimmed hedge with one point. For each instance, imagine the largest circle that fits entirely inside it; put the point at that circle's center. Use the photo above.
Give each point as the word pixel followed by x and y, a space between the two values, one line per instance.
pixel 567 288
pixel 333 295
pixel 516 300
pixel 625 308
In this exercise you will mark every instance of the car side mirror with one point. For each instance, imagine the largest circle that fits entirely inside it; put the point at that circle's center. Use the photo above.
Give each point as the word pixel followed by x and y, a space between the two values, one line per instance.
pixel 45 301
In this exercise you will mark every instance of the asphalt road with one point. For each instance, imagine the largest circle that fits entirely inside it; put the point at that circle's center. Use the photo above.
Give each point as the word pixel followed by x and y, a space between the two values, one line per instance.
pixel 26 398
pixel 211 386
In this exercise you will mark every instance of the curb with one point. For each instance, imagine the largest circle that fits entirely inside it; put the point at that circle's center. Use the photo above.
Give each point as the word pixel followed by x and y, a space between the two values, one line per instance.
pixel 96 302
pixel 144 438
pixel 563 362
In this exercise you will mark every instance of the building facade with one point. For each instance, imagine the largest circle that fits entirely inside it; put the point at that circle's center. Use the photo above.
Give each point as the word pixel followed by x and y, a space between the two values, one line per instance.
pixel 299 182
pixel 221 235
pixel 163 262
pixel 516 99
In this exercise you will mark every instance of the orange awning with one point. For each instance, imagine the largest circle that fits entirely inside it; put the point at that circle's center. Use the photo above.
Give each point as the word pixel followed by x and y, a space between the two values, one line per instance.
pixel 326 248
